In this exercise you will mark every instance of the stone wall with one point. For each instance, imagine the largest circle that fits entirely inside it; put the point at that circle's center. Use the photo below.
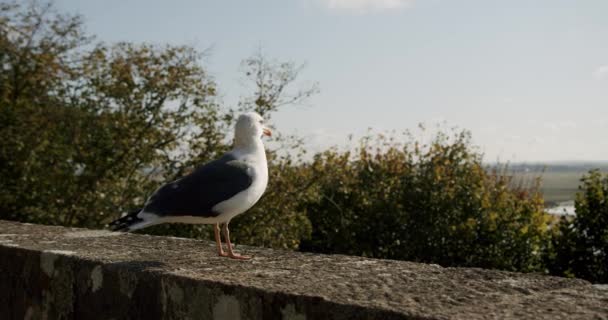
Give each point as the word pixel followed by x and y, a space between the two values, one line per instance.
pixel 65 273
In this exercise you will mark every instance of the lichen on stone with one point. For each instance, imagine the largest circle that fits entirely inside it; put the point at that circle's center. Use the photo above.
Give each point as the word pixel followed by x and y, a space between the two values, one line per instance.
pixel 96 278
pixel 227 308
pixel 289 313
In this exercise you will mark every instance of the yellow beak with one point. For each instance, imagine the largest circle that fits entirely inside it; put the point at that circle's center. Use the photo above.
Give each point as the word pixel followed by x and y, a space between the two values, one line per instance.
pixel 267 132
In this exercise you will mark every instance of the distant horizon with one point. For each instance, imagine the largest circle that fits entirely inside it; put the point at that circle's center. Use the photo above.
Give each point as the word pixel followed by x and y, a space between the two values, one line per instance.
pixel 562 162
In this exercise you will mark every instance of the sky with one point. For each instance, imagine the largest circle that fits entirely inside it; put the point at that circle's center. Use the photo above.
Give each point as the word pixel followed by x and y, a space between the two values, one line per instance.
pixel 528 78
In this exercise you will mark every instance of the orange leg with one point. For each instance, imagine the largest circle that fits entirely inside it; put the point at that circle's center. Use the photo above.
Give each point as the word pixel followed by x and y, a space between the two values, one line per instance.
pixel 231 253
pixel 218 241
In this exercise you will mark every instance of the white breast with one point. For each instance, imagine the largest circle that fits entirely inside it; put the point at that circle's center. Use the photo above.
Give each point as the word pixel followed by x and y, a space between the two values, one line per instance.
pixel 245 199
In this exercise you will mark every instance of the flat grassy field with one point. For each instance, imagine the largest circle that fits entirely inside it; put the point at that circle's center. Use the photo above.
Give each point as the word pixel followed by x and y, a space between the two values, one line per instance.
pixel 559 181
pixel 556 186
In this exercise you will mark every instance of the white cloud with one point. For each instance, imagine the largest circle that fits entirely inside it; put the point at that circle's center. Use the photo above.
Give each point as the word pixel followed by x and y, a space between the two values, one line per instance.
pixel 363 6
pixel 601 72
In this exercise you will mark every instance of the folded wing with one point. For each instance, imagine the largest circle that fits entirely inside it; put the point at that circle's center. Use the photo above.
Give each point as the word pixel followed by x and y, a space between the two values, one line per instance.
pixel 197 193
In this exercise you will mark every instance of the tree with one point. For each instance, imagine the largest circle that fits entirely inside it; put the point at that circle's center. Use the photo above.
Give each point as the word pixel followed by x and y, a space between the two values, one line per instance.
pixel 271 83
pixel 38 55
pixel 88 133
pixel 581 243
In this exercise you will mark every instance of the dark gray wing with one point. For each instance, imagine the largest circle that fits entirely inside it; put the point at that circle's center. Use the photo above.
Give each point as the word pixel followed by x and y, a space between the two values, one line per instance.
pixel 197 193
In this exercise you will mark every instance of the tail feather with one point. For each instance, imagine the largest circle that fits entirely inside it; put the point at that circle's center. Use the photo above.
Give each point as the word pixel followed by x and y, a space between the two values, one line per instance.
pixel 127 223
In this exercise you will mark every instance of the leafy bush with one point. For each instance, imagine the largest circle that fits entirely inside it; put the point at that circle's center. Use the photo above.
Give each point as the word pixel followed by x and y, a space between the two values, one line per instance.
pixel 581 243
pixel 433 203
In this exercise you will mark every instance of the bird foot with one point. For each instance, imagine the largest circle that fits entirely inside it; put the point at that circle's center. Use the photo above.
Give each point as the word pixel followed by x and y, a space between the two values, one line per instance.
pixel 233 255
pixel 238 256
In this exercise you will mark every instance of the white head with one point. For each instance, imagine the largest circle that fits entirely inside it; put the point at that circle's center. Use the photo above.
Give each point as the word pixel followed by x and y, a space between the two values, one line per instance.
pixel 249 127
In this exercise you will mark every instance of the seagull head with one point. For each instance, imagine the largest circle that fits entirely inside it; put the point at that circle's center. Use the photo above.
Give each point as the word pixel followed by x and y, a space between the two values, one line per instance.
pixel 250 125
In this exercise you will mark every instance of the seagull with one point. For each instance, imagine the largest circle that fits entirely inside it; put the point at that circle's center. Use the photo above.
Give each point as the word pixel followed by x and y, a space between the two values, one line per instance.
pixel 215 192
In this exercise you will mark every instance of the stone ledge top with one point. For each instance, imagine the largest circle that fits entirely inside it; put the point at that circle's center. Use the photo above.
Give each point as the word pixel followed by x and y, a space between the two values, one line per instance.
pixel 413 290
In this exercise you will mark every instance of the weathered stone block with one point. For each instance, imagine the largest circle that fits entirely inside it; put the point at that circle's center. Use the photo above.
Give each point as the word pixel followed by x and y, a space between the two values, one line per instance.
pixel 65 273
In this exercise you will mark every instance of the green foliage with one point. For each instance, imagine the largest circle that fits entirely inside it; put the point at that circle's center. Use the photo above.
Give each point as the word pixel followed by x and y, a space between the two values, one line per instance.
pixel 581 243
pixel 37 58
pixel 88 133
pixel 433 203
